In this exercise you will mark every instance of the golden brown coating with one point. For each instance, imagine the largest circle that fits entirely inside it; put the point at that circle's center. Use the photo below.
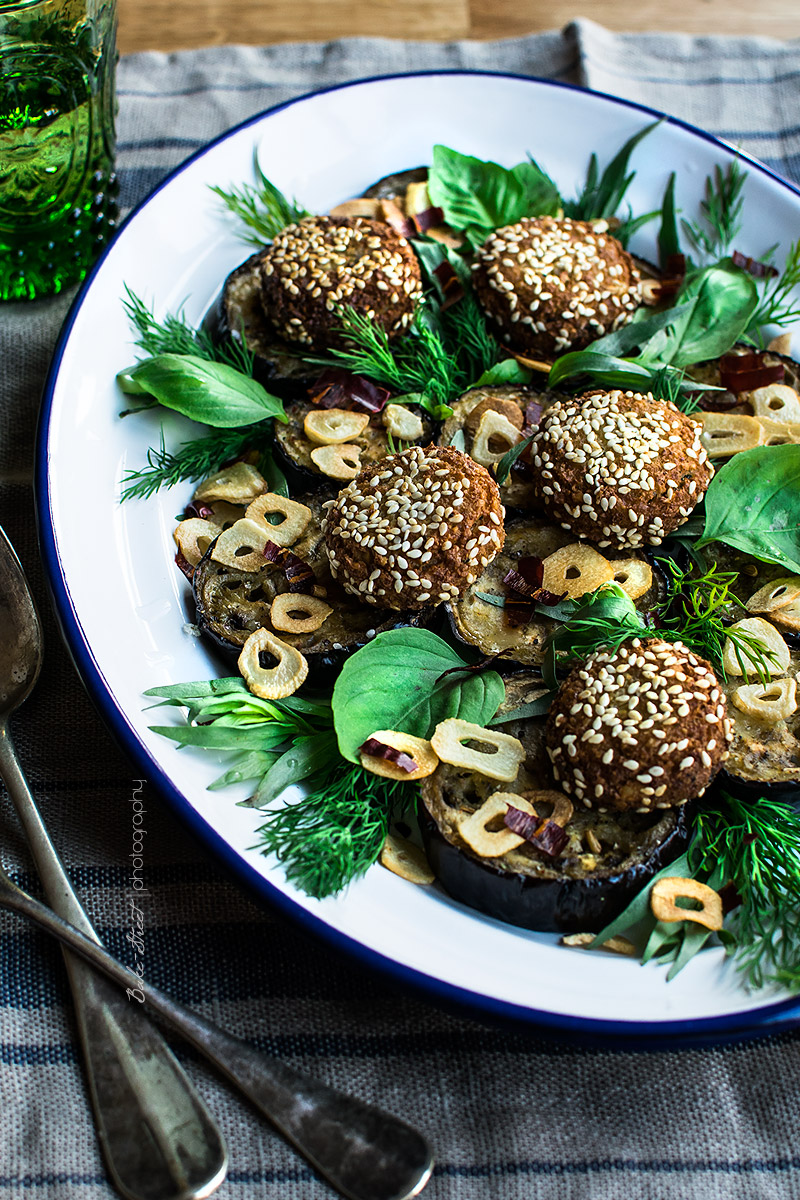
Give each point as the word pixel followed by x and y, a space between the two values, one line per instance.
pixel 641 727
pixel 619 468
pixel 320 265
pixel 415 529
pixel 553 285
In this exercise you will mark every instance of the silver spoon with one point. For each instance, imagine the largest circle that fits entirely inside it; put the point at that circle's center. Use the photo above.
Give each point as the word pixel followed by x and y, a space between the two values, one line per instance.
pixel 158 1139
pixel 365 1153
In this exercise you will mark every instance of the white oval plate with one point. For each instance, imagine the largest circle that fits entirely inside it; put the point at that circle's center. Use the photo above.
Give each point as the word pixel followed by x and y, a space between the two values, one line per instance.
pixel 124 615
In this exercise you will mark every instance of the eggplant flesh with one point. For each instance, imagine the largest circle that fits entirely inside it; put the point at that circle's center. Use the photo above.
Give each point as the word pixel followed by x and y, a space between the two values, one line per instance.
pixel 231 604
pixel 517 492
pixel 293 448
pixel 581 890
pixel 479 622
pixel 238 315
pixel 764 758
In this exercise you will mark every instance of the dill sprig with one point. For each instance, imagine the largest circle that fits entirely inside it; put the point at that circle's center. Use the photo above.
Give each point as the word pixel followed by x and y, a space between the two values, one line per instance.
pixel 465 328
pixel 420 363
pixel 262 209
pixel 756 847
pixel 703 607
pixel 721 212
pixel 335 833
pixel 779 303
pixel 201 457
pixel 174 335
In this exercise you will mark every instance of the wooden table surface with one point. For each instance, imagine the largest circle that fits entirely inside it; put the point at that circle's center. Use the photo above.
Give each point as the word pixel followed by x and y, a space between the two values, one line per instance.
pixel 186 24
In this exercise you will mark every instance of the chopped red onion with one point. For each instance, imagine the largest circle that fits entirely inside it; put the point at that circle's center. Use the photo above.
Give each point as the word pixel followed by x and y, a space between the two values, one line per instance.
pixel 544 835
pixel 746 372
pixel 376 749
pixel 337 388
pixel 429 218
pixel 759 270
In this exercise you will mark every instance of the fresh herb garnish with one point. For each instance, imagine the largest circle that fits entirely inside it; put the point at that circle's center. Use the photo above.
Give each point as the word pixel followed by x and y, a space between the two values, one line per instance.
pixel 262 209
pixel 603 619
pixel 174 335
pixel 201 457
pixel 602 194
pixel 755 846
pixel 211 393
pixel 721 213
pixel 503 468
pixel 478 197
pixel 779 304
pixel 335 833
pixel 753 504
pixel 395 682
pixel 703 608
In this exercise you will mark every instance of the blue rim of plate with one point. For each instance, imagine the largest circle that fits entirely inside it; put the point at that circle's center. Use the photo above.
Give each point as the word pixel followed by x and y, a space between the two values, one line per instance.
pixel 779 1017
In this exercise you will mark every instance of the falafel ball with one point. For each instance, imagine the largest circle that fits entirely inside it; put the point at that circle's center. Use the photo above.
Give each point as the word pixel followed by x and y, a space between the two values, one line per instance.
pixel 319 265
pixel 641 727
pixel 415 529
pixel 553 285
pixel 619 468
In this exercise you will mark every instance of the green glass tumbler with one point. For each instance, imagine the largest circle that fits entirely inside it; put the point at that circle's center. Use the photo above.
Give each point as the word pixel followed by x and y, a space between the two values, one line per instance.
pixel 58 190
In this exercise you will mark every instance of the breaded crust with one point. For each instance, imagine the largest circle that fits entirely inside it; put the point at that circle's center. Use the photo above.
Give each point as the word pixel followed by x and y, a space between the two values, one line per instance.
pixel 619 468
pixel 319 265
pixel 414 529
pixel 552 285
pixel 642 727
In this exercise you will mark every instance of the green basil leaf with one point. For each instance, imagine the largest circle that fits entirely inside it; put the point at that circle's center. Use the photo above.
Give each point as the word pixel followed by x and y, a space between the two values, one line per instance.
pixel 668 240
pixel 726 298
pixel 753 504
pixel 478 196
pixel 508 370
pixel 605 368
pixel 637 333
pixel 394 683
pixel 208 392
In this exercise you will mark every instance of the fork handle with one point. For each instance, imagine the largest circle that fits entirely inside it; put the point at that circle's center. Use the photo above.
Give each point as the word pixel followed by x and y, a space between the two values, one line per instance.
pixel 365 1153
pixel 158 1139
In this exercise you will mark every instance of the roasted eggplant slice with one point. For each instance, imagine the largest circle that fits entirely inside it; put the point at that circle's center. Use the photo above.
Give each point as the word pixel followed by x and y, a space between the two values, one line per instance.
pixel 764 758
pixel 484 623
pixel 232 603
pixel 237 314
pixel 294 449
pixel 579 891
pixel 486 439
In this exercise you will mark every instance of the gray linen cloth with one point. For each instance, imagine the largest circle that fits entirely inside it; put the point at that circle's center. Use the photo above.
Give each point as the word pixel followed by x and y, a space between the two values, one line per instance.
pixel 511 1116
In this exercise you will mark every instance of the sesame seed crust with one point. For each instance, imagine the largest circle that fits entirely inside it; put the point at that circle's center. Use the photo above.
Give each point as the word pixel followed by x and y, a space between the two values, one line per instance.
pixel 641 727
pixel 555 284
pixel 415 529
pixel 317 266
pixel 619 468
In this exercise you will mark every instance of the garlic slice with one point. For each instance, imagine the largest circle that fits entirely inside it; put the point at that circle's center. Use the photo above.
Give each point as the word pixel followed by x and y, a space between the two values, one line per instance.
pixel 575 569
pixel 419 749
pixel 238 484
pixel 501 760
pixel 338 462
pixel 402 423
pixel 771 702
pixel 295 517
pixel 634 576
pixel 332 426
pixel 728 433
pixel 776 400
pixel 314 613
pixel 242 545
pixel 493 426
pixel 492 843
pixel 193 537
pixel 775 595
pixel 271 683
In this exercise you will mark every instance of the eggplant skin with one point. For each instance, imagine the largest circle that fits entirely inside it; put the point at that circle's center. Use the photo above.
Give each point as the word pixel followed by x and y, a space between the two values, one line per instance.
pixel 238 313
pixel 559 905
pixel 577 893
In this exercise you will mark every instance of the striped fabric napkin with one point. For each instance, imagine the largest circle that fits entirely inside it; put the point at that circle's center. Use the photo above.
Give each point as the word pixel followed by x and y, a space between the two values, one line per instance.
pixel 510 1115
